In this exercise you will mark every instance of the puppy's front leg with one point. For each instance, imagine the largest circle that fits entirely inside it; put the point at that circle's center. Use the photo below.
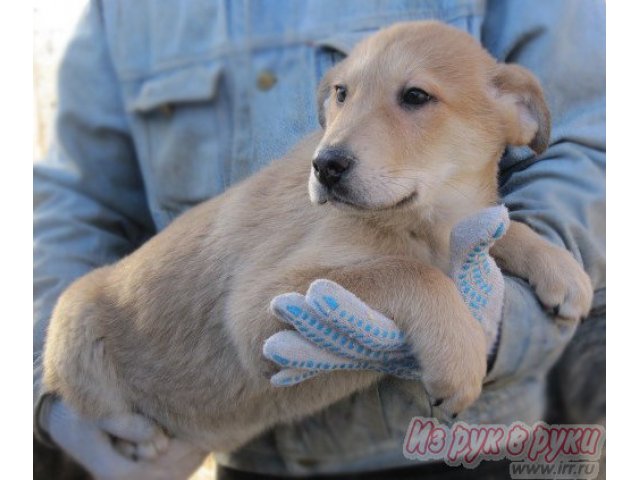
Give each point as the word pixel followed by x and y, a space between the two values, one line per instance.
pixel 447 341
pixel 559 281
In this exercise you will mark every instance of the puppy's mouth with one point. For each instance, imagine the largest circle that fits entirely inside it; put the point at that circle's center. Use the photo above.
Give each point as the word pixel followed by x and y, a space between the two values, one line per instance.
pixel 336 197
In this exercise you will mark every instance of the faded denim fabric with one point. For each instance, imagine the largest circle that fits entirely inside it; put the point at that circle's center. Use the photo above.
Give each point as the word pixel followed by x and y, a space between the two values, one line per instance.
pixel 164 104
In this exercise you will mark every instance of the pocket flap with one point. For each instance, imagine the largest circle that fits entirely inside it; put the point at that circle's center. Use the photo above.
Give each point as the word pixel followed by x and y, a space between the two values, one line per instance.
pixel 191 84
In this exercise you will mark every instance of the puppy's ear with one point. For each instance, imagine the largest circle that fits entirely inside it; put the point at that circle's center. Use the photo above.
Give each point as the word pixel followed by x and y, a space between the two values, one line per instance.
pixel 322 95
pixel 525 112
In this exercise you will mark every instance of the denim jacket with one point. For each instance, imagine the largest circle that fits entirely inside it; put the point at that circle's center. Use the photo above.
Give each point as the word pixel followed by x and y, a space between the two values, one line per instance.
pixel 163 104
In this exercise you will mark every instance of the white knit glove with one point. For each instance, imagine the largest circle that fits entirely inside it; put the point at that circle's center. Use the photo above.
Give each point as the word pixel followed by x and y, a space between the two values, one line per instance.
pixel 335 330
pixel 108 449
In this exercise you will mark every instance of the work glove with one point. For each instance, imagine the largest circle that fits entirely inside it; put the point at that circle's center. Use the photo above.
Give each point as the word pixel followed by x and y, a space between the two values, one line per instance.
pixel 335 330
pixel 127 446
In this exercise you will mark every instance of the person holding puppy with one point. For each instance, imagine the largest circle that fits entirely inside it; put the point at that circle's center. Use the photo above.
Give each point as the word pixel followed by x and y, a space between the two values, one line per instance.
pixel 143 133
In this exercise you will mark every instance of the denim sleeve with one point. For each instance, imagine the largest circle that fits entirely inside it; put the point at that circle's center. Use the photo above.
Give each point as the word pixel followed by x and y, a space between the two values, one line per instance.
pixel 89 204
pixel 561 193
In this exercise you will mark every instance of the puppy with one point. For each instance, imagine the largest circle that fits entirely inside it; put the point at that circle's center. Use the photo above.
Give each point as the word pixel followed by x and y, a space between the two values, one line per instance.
pixel 414 123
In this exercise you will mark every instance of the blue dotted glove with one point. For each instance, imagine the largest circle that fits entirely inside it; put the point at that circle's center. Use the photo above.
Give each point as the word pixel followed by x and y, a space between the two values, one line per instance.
pixel 335 330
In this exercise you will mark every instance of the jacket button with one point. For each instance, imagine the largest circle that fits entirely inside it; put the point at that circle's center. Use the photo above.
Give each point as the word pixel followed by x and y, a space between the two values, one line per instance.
pixel 266 80
pixel 167 109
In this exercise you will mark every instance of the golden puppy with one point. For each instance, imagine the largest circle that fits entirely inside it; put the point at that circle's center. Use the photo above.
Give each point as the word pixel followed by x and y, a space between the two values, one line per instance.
pixel 414 123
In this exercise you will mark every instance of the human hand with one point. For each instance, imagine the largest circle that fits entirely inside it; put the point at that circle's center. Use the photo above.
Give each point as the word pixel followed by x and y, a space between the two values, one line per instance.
pixel 335 330
pixel 474 271
pixel 127 446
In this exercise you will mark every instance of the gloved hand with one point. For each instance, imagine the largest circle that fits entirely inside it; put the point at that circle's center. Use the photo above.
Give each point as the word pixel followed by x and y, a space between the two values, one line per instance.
pixel 335 330
pixel 103 447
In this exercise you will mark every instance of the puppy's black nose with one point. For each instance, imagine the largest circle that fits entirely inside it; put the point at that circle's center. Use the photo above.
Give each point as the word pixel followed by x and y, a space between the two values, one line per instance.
pixel 331 164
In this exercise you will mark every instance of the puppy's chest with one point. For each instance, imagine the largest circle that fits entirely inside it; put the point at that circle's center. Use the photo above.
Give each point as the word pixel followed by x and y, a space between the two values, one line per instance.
pixel 428 249
pixel 422 246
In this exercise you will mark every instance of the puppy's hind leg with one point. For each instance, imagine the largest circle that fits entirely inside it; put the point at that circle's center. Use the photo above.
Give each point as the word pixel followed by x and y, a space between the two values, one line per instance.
pixel 78 369
pixel 77 366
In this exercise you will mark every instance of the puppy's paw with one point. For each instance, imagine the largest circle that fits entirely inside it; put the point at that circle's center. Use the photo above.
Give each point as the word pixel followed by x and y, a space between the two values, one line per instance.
pixel 453 397
pixel 453 369
pixel 145 450
pixel 135 436
pixel 560 283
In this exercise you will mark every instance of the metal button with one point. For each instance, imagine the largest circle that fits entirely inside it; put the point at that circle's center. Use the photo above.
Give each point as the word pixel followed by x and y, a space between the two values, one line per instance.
pixel 266 80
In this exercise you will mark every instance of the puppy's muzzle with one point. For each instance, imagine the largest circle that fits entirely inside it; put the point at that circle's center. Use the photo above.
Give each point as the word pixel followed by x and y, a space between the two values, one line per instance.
pixel 332 164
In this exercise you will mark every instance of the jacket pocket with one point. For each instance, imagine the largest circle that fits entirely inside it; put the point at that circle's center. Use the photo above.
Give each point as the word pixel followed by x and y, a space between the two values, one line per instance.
pixel 186 85
pixel 182 135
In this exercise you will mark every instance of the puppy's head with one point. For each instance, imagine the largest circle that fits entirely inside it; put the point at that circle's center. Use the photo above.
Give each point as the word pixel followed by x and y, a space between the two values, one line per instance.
pixel 413 112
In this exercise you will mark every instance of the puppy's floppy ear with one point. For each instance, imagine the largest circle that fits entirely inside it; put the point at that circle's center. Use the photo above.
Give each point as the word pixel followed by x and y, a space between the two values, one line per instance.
pixel 525 112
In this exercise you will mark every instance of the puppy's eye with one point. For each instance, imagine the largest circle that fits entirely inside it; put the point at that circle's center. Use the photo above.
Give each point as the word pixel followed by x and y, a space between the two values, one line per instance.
pixel 341 93
pixel 414 97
